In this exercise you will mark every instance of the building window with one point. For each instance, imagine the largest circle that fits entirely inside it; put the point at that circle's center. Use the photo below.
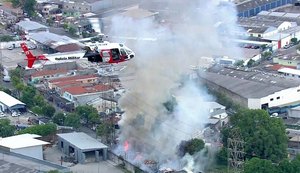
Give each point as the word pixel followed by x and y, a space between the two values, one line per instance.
pixel 298 90
pixel 259 35
pixel 278 98
pixel 271 99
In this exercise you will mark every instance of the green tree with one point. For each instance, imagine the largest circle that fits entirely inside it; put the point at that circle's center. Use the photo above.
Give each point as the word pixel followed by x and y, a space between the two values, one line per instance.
pixel 15 80
pixel 294 40
pixel 264 137
pixel 29 7
pixel 5 128
pixel 72 30
pixel 221 156
pixel 296 164
pixel 259 166
pixel 251 63
pixel 192 146
pixel 59 118
pixel 39 100
pixel 16 72
pixel 285 166
pixel 43 130
pixel 15 3
pixel 73 120
pixel 37 110
pixel 6 38
pixel 87 113
pixel 104 130
pixel 265 55
pixel 50 21
pixel 27 95
pixel 48 110
pixel 66 26
pixel 239 63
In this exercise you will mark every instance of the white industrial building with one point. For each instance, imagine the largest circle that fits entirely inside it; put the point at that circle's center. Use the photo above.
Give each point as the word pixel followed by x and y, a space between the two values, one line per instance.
pixel 10 104
pixel 278 31
pixel 253 89
pixel 290 73
pixel 24 144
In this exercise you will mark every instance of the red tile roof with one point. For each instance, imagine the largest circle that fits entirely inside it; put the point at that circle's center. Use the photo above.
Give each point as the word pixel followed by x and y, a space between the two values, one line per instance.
pixel 278 66
pixel 66 83
pixel 72 78
pixel 78 90
pixel 48 72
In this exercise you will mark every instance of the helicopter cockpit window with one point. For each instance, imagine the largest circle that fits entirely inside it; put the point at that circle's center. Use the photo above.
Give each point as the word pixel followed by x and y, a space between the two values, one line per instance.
pixel 128 51
pixel 115 54
pixel 123 52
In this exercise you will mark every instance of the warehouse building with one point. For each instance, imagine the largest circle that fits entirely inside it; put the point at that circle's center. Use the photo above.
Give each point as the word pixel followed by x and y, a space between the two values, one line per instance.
pixel 53 43
pixel 253 89
pixel 72 145
pixel 31 27
pixel 248 8
pixel 10 104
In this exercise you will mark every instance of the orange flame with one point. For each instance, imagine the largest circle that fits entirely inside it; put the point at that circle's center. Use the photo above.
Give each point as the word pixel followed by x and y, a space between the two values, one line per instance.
pixel 126 146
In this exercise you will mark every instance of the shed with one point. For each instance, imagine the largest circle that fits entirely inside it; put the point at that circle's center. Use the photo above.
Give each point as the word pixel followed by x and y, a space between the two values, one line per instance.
pixel 82 147
pixel 9 103
pixel 24 144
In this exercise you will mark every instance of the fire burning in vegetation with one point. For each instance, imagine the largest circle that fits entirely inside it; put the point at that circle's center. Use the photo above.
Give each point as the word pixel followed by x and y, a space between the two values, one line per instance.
pixel 153 126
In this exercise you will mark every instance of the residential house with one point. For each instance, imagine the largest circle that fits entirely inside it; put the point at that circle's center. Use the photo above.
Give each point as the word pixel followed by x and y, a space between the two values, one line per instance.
pixel 81 78
pixel 82 94
pixel 40 76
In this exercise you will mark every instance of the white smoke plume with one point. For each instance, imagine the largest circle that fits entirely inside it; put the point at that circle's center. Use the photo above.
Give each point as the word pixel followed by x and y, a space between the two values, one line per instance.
pixel 197 29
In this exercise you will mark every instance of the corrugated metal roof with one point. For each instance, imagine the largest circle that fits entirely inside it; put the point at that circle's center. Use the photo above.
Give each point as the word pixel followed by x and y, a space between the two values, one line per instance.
pixel 52 40
pixel 251 4
pixel 8 100
pixel 30 25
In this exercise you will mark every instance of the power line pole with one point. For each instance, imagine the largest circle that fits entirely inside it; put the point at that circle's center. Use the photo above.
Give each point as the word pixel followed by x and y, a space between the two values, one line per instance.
pixel 236 154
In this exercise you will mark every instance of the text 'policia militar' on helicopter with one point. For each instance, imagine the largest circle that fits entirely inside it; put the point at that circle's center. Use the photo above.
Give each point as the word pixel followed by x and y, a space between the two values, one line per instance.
pixel 105 52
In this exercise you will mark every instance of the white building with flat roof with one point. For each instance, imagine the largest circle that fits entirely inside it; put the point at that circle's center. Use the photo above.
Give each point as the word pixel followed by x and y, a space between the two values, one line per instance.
pixel 24 144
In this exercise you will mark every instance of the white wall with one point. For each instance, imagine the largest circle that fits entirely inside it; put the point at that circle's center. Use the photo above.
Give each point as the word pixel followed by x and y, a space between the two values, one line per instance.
pixel 254 104
pixel 285 96
pixel 285 41
pixel 35 151
pixel 284 26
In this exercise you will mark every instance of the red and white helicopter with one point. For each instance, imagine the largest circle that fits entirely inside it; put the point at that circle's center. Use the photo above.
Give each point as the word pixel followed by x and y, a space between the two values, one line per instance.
pixel 98 52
